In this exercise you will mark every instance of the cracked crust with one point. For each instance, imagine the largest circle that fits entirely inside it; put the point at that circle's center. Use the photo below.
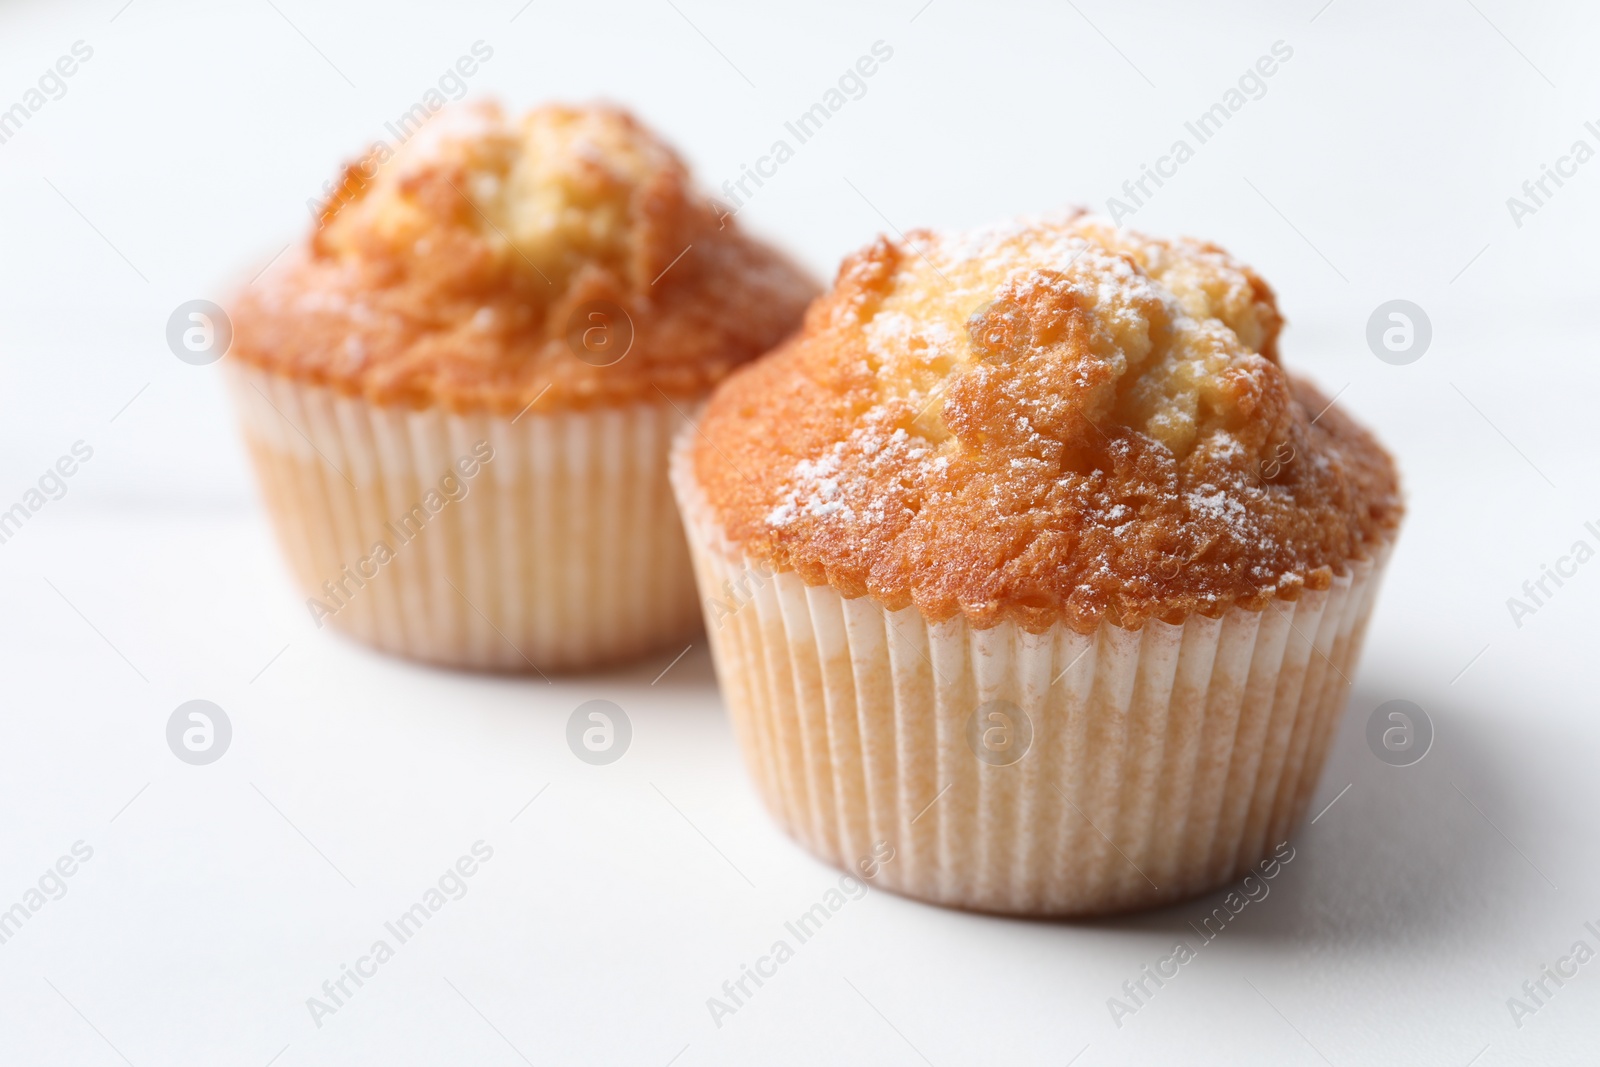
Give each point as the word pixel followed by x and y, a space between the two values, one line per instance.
pixel 1044 421
pixel 453 273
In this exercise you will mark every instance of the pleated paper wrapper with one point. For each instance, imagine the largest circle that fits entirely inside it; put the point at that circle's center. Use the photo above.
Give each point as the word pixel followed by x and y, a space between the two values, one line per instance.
pixel 1122 769
pixel 564 552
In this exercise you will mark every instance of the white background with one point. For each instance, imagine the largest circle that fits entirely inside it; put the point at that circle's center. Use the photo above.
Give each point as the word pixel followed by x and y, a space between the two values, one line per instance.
pixel 1376 166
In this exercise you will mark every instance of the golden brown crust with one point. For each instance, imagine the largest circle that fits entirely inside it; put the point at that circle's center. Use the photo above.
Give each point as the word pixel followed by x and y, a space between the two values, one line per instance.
pixel 1044 422
pixel 463 271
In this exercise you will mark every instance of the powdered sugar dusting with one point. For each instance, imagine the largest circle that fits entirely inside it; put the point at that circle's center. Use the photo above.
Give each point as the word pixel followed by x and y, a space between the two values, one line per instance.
pixel 1215 503
pixel 816 489
pixel 1041 421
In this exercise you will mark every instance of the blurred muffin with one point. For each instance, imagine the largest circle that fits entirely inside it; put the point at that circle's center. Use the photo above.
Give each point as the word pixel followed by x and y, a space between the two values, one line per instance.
pixel 460 393
pixel 1027 560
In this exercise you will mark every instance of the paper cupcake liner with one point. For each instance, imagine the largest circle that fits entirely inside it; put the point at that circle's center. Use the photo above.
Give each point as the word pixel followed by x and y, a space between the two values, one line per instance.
pixel 1162 762
pixel 561 550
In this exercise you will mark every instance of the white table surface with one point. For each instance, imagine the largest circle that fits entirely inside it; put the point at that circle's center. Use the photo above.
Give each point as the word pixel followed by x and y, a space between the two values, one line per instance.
pixel 219 898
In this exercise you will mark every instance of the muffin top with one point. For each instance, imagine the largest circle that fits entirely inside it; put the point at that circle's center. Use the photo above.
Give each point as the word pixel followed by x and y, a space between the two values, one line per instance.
pixel 564 256
pixel 1046 421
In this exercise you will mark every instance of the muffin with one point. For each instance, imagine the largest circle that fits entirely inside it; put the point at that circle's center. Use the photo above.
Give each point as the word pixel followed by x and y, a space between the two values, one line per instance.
pixel 1027 564
pixel 460 393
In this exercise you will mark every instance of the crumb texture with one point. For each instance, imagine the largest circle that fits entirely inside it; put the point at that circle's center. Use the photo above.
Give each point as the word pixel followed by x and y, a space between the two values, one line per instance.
pixel 461 272
pixel 1050 420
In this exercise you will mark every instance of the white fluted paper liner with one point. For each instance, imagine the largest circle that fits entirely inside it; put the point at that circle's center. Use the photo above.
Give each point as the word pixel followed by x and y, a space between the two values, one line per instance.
pixel 1164 762
pixel 563 550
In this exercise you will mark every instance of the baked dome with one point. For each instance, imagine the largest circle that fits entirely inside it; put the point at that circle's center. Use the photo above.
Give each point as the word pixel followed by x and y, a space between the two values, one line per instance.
pixel 456 272
pixel 1043 421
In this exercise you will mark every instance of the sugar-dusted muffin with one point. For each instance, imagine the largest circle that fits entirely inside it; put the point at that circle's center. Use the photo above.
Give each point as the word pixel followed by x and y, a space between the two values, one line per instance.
pixel 1027 560
pixel 460 393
